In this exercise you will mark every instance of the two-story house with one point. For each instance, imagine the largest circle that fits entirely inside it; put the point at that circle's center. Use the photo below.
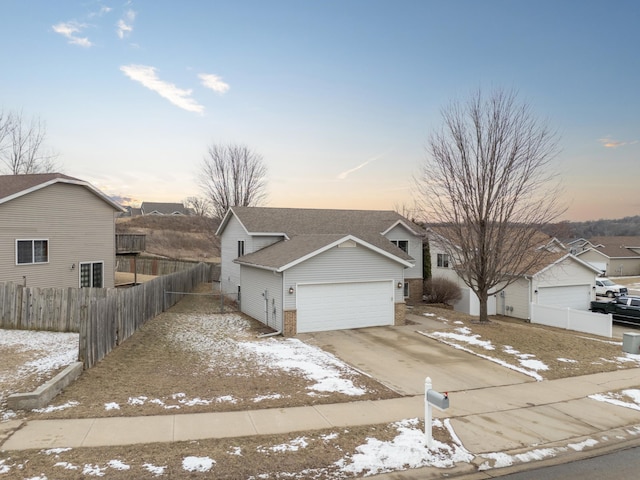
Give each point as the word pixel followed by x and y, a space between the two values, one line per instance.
pixel 56 231
pixel 305 270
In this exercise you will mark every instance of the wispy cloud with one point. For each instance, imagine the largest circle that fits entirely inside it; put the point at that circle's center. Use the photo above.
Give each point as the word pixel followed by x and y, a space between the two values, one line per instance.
pixel 214 82
pixel 147 77
pixel 346 173
pixel 609 142
pixel 103 10
pixel 69 31
pixel 125 25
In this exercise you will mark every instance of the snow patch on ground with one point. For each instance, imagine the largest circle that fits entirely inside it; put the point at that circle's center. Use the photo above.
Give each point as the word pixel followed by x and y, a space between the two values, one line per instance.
pixel 529 368
pixel 197 464
pixel 46 353
pixel 290 354
pixel 626 398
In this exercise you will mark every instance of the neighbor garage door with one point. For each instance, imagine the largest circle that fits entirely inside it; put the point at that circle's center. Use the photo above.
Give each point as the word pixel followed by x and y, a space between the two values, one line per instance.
pixel 573 296
pixel 338 306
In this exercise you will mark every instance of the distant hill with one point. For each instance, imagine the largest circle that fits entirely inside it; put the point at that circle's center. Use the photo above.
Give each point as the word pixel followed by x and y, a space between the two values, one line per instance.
pixel 624 227
pixel 175 236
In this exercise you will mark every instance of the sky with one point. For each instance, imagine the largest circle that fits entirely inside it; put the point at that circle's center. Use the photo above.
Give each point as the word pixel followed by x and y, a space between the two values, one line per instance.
pixel 339 97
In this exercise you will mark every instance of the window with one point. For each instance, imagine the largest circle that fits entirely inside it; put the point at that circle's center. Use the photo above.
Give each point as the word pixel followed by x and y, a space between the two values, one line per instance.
pixel 91 274
pixel 443 260
pixel 402 245
pixel 406 289
pixel 32 251
pixel 240 248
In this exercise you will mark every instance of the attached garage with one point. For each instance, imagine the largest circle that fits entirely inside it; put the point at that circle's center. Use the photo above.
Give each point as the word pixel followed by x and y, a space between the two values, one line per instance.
pixel 334 306
pixel 572 296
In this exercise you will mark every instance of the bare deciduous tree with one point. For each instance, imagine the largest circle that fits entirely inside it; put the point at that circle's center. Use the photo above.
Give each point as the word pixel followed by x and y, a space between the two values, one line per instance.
pixel 488 183
pixel 232 175
pixel 22 145
pixel 199 205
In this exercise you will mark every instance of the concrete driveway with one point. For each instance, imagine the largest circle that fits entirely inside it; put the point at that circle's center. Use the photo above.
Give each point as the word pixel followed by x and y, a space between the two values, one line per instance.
pixel 401 358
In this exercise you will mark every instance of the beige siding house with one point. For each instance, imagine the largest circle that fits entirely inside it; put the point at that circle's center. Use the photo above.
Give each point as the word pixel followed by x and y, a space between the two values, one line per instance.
pixel 615 256
pixel 56 231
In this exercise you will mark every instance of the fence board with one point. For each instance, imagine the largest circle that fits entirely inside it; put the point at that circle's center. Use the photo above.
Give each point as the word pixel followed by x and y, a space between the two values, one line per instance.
pixel 104 318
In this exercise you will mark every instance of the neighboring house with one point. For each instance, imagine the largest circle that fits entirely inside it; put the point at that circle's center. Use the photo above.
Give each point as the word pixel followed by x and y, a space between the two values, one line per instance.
pixel 157 208
pixel 558 279
pixel 56 231
pixel 305 270
pixel 615 256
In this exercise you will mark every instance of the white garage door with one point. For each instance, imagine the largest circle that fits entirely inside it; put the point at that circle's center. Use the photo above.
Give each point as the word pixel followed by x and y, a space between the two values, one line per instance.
pixel 337 306
pixel 573 296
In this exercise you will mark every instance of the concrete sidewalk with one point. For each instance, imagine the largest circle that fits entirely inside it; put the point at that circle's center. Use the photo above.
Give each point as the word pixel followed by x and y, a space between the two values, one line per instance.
pixel 494 419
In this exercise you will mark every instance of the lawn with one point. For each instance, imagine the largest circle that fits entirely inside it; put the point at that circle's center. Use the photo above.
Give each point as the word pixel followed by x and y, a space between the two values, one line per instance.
pixel 191 359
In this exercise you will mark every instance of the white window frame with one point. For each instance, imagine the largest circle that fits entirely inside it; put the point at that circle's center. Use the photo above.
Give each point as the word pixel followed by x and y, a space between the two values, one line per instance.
pixel 397 244
pixel 33 252
pixel 101 262
pixel 443 260
pixel 240 248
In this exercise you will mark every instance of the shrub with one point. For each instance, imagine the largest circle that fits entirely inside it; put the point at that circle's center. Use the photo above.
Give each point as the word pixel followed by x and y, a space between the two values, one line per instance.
pixel 441 290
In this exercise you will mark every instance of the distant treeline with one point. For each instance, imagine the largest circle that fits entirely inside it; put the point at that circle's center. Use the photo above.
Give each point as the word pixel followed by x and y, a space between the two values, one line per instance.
pixel 624 227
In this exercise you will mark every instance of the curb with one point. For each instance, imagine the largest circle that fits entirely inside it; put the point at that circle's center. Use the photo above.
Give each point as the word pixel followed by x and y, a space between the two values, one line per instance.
pixel 42 395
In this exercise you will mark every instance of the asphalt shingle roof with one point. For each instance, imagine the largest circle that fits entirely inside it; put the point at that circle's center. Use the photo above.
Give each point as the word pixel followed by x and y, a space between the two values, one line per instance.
pixel 310 230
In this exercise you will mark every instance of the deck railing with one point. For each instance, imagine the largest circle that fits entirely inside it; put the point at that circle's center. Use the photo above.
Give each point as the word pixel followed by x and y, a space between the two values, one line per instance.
pixel 129 243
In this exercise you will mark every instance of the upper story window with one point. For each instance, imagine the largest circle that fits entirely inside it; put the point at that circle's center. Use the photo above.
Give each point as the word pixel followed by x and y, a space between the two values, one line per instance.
pixel 240 248
pixel 402 245
pixel 443 260
pixel 32 251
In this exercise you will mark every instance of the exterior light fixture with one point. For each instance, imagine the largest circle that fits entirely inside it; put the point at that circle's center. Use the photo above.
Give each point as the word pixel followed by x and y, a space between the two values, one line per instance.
pixel 290 290
pixel 399 284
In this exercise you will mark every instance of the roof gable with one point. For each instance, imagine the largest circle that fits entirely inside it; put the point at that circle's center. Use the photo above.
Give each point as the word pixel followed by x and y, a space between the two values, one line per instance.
pixel 288 253
pixel 617 247
pixel 15 186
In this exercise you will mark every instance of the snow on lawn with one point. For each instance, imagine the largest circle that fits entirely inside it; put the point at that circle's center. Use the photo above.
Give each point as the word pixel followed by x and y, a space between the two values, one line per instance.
pixel 626 398
pixel 227 339
pixel 407 450
pixel 528 364
pixel 43 353
pixel 292 355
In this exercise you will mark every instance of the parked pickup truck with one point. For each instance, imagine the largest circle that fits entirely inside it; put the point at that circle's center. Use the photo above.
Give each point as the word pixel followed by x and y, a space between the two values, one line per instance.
pixel 605 287
pixel 623 309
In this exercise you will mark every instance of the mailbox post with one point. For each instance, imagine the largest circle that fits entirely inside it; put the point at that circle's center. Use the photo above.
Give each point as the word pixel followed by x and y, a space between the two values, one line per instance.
pixel 436 399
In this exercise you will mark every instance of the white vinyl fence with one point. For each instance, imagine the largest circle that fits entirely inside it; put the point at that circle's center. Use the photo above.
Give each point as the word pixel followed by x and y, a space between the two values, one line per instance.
pixel 570 319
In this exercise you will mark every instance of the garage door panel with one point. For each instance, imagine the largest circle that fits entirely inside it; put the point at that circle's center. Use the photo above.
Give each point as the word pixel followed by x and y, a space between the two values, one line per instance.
pixel 344 305
pixel 572 296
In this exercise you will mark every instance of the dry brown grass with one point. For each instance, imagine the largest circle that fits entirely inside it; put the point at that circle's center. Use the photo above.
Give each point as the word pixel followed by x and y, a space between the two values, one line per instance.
pixel 236 458
pixel 587 353
pixel 155 364
pixel 176 237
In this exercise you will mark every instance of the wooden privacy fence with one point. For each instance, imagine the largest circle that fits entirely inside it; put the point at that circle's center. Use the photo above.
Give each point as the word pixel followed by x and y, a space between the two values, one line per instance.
pixel 52 309
pixel 109 321
pixel 159 266
pixel 103 317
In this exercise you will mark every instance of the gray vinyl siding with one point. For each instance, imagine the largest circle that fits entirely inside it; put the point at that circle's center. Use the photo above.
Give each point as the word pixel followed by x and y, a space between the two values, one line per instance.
pixel 516 295
pixel 255 283
pixel 79 226
pixel 351 264
pixel 231 235
pixel 229 271
pixel 415 249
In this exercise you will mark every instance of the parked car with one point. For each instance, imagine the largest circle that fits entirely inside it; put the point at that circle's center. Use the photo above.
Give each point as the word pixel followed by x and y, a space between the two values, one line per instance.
pixel 605 287
pixel 623 309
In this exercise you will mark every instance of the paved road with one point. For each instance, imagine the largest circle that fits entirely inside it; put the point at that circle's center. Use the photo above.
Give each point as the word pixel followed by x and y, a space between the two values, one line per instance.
pixel 621 465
